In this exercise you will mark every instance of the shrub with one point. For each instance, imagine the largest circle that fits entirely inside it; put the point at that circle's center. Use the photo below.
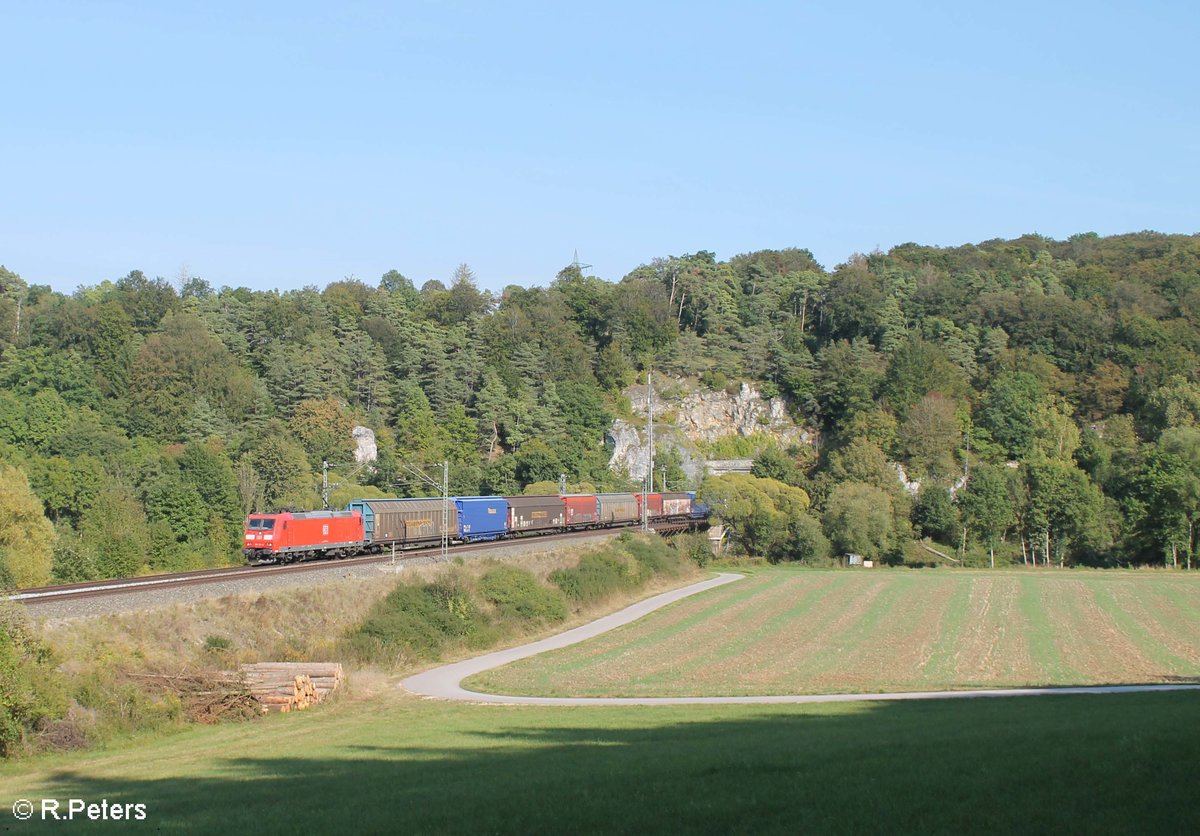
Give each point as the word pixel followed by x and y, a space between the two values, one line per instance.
pixel 31 692
pixel 653 555
pixel 217 644
pixel 73 561
pixel 419 620
pixel 597 576
pixel 714 380
pixel 517 594
pixel 935 515
pixel 806 542
pixel 118 706
pixel 696 547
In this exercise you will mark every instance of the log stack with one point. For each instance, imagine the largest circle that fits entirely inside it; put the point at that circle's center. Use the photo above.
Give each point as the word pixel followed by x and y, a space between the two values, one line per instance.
pixel 291 686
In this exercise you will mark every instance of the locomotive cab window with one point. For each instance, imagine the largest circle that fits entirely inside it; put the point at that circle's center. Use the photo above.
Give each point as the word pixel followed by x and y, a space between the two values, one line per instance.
pixel 264 524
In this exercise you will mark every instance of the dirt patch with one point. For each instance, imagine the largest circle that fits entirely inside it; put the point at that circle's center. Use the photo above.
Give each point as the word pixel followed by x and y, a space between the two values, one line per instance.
pixel 1090 641
pixel 783 660
pixel 748 654
pixel 657 650
pixel 1169 627
pixel 904 642
pixel 993 646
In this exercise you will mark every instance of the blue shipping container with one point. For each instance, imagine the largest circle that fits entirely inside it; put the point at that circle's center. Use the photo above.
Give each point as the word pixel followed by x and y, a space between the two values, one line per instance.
pixel 481 517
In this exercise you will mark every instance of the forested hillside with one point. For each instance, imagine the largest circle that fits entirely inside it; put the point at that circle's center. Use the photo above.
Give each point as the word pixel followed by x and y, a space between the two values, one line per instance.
pixel 141 419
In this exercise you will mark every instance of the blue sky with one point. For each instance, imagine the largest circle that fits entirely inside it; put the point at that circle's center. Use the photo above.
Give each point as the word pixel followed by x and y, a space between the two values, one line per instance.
pixel 286 144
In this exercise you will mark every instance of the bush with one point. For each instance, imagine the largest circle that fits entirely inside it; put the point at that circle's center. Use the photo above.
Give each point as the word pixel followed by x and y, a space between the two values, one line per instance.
pixel 217 644
pixel 73 561
pixel 116 705
pixel 935 515
pixel 696 547
pixel 420 620
pixel 714 380
pixel 31 692
pixel 807 543
pixel 517 594
pixel 597 576
pixel 654 556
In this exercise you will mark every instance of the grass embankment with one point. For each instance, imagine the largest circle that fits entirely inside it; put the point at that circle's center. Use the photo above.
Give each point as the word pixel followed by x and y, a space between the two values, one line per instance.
pixel 486 605
pixel 787 631
pixel 113 676
pixel 1115 764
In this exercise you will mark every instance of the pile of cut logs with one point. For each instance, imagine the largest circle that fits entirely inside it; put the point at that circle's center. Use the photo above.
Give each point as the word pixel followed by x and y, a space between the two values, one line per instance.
pixel 291 686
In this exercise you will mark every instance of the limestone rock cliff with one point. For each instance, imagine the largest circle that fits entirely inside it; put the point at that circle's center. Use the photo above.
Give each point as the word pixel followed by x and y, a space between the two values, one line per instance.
pixel 365 448
pixel 687 416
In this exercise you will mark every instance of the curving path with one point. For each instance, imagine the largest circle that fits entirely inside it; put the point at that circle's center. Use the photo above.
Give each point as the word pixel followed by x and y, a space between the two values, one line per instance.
pixel 445 682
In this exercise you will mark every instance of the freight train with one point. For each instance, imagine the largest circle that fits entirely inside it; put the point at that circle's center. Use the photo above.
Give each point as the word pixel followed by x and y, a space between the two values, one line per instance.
pixel 371 526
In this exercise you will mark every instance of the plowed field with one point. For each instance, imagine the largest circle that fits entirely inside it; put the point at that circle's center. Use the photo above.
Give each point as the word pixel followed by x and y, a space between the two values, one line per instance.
pixel 786 631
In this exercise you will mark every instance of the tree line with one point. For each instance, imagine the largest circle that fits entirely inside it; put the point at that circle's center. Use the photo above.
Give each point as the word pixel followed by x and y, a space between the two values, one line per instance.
pixel 1043 393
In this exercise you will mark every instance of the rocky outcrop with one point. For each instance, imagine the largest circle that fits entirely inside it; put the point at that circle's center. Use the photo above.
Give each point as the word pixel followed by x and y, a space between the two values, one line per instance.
pixel 365 449
pixel 707 415
pixel 685 417
pixel 631 449
pixel 912 487
pixel 629 453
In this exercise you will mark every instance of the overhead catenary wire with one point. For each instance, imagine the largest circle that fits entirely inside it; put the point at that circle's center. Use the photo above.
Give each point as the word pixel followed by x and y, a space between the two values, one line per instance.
pixel 444 490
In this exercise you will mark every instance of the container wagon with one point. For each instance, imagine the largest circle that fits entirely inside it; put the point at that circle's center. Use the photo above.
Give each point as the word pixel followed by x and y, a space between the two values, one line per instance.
pixel 404 522
pixel 535 513
pixel 582 510
pixel 676 506
pixel 481 517
pixel 617 508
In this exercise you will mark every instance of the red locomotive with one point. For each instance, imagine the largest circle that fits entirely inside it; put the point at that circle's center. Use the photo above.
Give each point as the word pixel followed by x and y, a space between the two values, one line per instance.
pixel 301 535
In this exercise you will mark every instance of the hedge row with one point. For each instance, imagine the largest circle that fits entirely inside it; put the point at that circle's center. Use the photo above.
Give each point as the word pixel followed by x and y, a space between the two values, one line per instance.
pixel 419 621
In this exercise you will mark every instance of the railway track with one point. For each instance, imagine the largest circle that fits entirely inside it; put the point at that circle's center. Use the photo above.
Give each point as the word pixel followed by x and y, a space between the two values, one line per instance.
pixel 123 586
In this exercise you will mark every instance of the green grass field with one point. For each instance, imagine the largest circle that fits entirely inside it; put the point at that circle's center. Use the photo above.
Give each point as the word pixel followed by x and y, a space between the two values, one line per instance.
pixel 788 631
pixel 1115 764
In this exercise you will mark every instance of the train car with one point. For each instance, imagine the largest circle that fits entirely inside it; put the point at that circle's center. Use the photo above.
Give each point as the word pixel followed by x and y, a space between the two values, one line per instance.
pixel 535 513
pixel 649 505
pixel 699 509
pixel 582 510
pixel 481 517
pixel 617 508
pixel 405 522
pixel 676 506
pixel 302 535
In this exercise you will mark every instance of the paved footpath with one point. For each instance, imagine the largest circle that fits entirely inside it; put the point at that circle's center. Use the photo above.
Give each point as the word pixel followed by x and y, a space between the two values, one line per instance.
pixel 444 682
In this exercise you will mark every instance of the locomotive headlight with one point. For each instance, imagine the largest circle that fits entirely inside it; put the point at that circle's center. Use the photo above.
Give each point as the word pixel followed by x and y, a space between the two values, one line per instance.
pixel 268 536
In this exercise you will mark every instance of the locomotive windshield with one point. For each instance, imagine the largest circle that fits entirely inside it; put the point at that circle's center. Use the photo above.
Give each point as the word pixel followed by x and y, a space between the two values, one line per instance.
pixel 267 524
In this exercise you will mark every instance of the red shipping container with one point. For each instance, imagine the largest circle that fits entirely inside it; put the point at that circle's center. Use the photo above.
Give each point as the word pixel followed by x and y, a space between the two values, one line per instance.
pixel 655 504
pixel 582 509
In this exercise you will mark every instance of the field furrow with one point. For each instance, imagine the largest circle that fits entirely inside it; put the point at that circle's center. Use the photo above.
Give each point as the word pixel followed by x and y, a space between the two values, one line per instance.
pixel 1089 638
pixel 787 631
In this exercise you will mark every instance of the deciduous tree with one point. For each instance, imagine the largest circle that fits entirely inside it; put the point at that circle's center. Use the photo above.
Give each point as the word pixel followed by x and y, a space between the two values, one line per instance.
pixel 26 536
